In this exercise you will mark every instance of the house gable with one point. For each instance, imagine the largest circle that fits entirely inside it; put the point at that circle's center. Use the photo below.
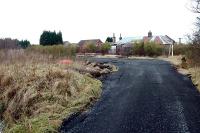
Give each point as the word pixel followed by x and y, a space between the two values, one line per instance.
pixel 97 42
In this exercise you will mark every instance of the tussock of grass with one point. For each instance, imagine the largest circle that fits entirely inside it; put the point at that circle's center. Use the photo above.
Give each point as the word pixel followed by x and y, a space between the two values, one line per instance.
pixel 40 124
pixel 185 68
pixel 195 71
pixel 36 96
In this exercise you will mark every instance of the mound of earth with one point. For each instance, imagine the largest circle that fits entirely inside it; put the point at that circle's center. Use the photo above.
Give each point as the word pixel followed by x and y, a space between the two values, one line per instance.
pixel 95 69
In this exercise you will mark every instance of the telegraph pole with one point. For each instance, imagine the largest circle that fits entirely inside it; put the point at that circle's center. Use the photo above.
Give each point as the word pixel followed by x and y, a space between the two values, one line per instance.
pixel 180 40
pixel 172 49
pixel 169 50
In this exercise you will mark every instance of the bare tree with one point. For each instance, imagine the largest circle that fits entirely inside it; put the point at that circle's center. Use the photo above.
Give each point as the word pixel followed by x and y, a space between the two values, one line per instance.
pixel 8 43
pixel 195 6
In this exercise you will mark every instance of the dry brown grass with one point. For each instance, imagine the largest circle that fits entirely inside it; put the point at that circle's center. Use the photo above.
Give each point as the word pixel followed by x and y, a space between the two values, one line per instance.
pixel 192 70
pixel 195 71
pixel 38 93
pixel 175 60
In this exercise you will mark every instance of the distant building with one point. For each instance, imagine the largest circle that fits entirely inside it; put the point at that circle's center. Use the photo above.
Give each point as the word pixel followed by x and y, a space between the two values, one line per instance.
pixel 114 45
pixel 66 43
pixel 125 44
pixel 83 43
pixel 160 39
pixel 128 40
pixel 114 38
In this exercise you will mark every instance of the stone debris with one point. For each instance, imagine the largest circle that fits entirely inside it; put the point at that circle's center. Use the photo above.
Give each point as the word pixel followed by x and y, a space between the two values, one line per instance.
pixel 96 69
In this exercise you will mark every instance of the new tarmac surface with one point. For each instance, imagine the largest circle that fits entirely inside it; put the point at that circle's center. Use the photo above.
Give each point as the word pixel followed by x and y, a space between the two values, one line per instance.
pixel 144 96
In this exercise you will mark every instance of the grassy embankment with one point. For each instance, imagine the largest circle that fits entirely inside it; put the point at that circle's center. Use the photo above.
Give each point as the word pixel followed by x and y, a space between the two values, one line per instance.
pixel 187 60
pixel 37 93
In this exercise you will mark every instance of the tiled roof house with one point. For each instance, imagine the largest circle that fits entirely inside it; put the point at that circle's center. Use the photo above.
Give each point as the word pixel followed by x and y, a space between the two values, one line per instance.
pixel 82 43
pixel 128 41
pixel 159 39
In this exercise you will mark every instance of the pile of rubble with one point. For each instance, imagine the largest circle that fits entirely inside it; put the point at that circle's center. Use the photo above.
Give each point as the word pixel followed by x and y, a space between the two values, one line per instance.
pixel 96 69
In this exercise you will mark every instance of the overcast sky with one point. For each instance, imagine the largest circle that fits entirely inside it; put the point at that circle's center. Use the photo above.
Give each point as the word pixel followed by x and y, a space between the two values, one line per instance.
pixel 89 19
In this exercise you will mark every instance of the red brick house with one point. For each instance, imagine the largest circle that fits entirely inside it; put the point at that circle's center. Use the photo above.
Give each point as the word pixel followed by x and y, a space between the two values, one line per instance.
pixel 83 43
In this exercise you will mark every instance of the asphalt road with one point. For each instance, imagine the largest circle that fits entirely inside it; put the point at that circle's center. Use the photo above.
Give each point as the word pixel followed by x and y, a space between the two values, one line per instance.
pixel 144 96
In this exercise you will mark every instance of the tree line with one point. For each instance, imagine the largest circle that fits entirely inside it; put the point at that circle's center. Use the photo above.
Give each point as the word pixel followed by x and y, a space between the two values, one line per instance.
pixel 51 38
pixel 195 39
pixel 9 43
pixel 46 38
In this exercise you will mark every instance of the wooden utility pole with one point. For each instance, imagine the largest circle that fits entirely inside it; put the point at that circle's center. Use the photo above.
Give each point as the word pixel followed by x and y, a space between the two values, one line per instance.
pixel 171 50
pixel 180 39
